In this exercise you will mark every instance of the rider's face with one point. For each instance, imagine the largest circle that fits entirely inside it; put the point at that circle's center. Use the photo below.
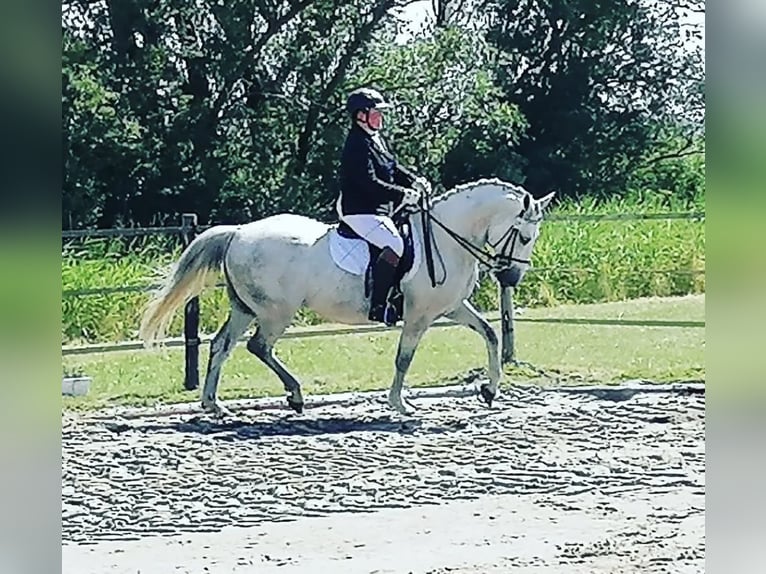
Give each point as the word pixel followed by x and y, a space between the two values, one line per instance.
pixel 374 119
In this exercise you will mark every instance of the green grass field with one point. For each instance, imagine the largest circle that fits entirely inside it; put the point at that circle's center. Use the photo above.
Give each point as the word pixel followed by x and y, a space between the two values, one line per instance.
pixel 325 364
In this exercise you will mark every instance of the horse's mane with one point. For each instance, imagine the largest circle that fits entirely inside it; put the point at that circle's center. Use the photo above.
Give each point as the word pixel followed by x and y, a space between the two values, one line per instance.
pixel 460 188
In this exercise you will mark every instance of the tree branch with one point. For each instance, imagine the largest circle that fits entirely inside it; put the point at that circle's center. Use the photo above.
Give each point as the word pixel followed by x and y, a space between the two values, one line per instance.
pixel 273 28
pixel 396 87
pixel 684 151
pixel 446 12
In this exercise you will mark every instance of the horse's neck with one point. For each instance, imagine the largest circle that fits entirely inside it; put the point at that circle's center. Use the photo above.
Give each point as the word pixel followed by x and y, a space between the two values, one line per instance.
pixel 465 214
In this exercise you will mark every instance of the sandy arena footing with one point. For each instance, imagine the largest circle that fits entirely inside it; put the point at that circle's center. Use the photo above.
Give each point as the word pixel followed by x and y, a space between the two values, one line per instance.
pixel 588 479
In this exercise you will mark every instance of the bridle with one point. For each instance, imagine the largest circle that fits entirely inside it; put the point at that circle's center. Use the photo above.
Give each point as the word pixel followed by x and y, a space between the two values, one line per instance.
pixel 511 236
pixel 496 261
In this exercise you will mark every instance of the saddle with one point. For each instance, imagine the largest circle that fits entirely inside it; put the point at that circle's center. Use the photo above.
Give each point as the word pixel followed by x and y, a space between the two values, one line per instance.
pixel 395 296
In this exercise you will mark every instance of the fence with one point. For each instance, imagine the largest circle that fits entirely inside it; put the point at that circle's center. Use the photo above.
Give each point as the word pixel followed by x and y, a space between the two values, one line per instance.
pixel 187 232
pixel 189 228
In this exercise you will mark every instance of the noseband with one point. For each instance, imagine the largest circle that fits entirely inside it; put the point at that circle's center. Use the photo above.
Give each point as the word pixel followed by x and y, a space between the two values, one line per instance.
pixel 512 235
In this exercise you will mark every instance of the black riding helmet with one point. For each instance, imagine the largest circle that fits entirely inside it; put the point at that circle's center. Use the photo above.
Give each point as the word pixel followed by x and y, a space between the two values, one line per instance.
pixel 364 99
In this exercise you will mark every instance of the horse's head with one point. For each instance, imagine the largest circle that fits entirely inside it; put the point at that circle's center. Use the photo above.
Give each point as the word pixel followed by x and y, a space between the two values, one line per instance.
pixel 513 231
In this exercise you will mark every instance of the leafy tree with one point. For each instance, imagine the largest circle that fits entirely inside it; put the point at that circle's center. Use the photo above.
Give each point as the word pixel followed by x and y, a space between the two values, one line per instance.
pixel 235 110
pixel 226 100
pixel 600 83
pixel 444 95
pixel 97 129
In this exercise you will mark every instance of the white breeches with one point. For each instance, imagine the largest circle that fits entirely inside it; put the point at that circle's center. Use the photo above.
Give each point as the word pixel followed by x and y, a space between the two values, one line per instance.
pixel 377 229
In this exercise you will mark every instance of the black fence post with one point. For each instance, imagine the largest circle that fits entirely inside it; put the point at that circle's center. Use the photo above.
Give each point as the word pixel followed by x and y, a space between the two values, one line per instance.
pixel 191 314
pixel 506 316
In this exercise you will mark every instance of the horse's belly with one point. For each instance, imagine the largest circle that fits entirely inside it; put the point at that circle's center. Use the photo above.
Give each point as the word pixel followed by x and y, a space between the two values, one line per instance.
pixel 337 296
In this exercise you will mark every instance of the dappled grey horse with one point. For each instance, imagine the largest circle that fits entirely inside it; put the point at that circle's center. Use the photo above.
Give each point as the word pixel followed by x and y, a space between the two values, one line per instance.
pixel 275 265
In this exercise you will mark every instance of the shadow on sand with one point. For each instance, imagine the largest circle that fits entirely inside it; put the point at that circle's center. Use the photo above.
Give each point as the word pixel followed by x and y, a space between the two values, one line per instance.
pixel 288 425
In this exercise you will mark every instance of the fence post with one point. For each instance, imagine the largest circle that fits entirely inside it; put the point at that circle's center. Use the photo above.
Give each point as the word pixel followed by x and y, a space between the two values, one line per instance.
pixel 506 315
pixel 191 314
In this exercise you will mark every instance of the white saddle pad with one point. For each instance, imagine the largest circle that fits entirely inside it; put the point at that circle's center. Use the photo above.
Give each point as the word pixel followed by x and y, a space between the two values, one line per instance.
pixel 353 255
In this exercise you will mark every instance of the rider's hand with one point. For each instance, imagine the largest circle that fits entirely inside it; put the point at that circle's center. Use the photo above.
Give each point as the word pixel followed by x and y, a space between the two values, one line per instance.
pixel 423 185
pixel 411 196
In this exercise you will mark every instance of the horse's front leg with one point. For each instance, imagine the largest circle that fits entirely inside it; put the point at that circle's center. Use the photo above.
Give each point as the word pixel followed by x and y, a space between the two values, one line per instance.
pixel 412 332
pixel 466 315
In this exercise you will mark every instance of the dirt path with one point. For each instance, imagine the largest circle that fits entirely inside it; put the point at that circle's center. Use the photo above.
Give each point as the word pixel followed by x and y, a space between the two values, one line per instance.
pixel 568 481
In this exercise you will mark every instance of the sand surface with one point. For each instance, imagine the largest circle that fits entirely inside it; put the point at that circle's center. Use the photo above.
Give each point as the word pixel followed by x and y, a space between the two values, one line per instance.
pixel 597 479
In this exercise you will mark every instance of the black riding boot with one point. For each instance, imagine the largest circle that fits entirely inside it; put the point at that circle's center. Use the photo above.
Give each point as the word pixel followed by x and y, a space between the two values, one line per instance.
pixel 382 279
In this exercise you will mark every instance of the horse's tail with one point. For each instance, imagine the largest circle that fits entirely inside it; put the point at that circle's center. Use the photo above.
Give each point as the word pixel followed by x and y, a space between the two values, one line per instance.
pixel 185 280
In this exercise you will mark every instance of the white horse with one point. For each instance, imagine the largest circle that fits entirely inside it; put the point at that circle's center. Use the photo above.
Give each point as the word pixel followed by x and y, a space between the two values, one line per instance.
pixel 277 264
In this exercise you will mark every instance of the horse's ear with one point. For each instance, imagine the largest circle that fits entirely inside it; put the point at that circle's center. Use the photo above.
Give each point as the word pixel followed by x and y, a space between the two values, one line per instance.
pixel 527 202
pixel 544 201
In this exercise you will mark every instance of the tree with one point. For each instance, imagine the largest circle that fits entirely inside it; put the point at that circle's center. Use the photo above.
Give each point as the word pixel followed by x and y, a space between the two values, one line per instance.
pixel 226 101
pixel 600 83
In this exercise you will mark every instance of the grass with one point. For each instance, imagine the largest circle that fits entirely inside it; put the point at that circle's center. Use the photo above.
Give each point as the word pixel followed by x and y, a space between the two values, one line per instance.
pixel 577 262
pixel 328 364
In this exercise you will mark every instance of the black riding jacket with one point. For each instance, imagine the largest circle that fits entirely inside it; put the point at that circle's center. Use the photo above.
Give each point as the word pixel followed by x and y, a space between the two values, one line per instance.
pixel 370 176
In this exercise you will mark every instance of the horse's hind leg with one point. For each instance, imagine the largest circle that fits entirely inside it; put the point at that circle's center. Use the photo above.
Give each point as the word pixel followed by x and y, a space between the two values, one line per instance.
pixel 261 344
pixel 220 349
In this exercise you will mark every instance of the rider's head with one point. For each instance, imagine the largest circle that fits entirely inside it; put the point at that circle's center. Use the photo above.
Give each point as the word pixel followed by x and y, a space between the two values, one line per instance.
pixel 365 106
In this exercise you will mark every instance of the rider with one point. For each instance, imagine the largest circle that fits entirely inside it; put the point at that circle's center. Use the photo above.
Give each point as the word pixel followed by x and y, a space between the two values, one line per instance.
pixel 372 186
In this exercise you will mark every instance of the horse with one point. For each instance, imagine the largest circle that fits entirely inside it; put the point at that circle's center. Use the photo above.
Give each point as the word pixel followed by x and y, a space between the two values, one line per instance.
pixel 277 264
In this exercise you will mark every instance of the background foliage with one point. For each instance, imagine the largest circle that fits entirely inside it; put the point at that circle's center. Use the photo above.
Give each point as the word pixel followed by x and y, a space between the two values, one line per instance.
pixel 233 109
pixel 574 262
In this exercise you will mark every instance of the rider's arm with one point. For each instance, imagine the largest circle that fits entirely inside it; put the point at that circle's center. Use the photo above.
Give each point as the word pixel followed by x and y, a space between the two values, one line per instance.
pixel 362 172
pixel 392 191
pixel 404 176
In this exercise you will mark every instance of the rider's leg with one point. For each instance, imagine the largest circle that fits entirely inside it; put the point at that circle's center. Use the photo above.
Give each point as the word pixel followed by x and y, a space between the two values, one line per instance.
pixel 383 276
pixel 381 232
pixel 378 230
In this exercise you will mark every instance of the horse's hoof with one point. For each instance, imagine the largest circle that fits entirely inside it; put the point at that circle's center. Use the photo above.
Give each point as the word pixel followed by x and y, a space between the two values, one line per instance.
pixel 297 406
pixel 403 407
pixel 487 395
pixel 216 409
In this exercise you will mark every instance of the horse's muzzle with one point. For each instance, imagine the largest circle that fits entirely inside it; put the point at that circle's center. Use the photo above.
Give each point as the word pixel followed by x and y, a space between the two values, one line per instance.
pixel 509 277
